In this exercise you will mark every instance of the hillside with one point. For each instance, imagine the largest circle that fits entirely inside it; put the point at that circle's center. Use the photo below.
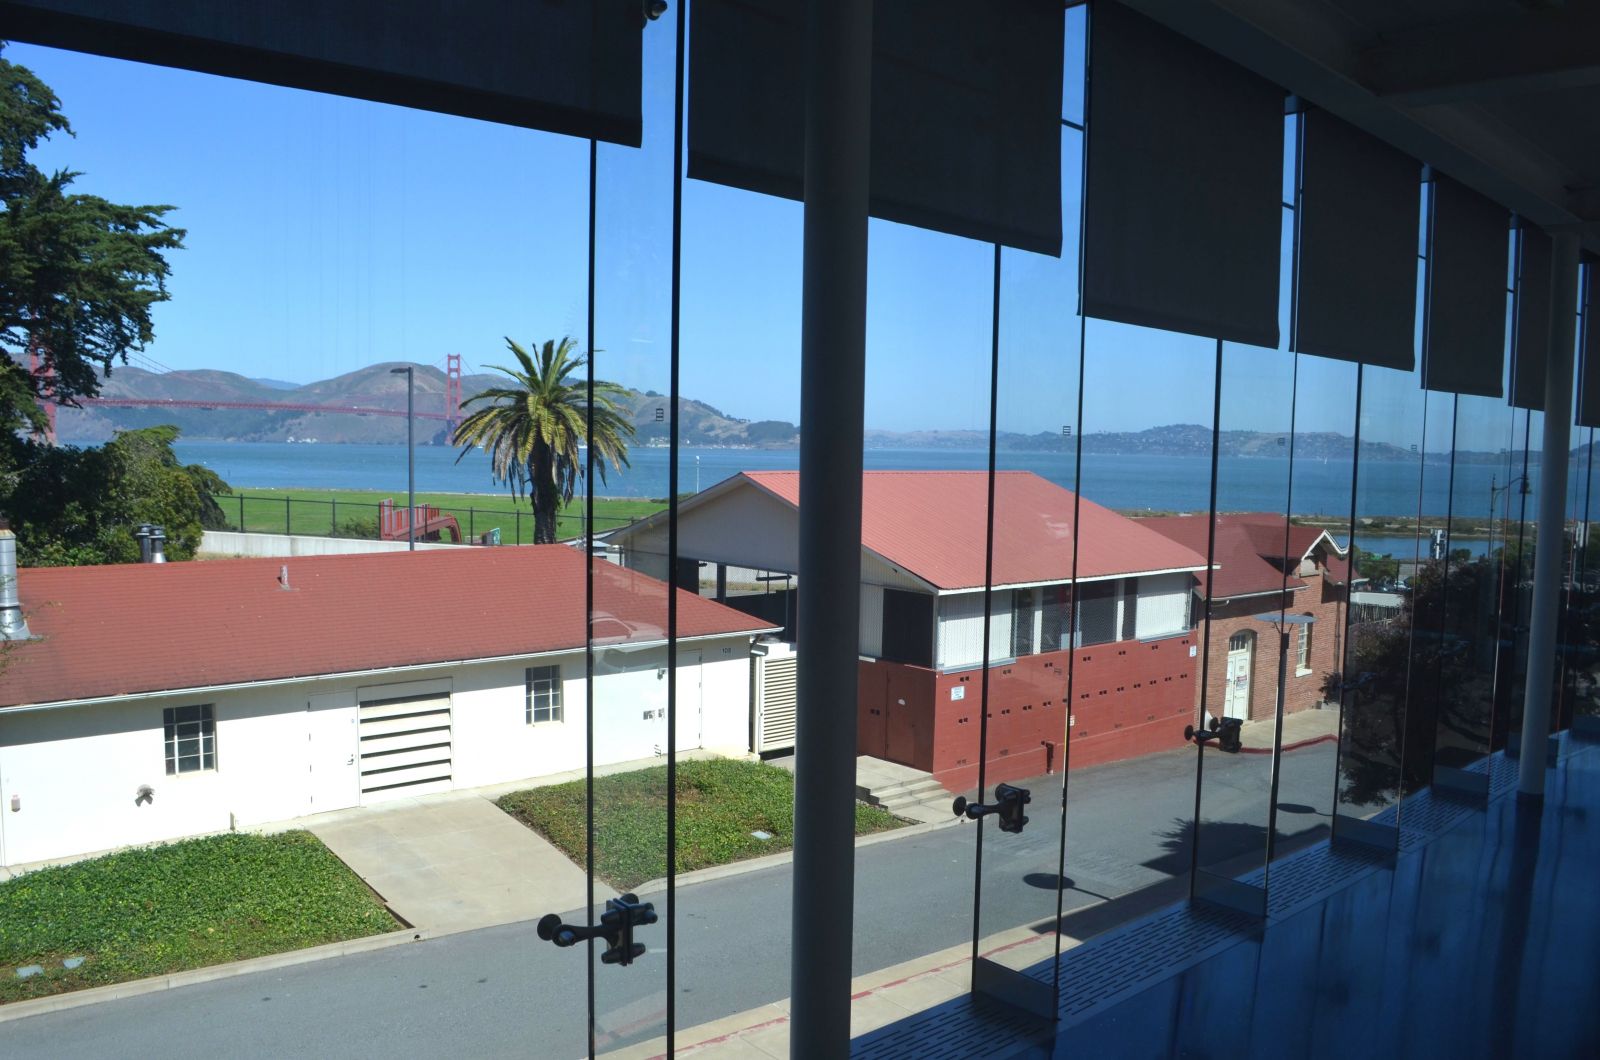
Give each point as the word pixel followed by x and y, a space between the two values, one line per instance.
pixel 374 386
pixel 703 425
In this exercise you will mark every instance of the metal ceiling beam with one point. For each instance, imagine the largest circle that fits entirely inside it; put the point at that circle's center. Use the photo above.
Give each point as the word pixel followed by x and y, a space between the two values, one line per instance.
pixel 1535 51
pixel 1315 53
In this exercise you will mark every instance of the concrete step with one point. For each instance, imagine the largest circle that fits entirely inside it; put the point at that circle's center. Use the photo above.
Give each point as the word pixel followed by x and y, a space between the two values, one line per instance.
pixel 913 791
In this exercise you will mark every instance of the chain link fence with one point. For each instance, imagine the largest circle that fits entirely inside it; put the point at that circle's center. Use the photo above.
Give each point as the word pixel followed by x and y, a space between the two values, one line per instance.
pixel 505 525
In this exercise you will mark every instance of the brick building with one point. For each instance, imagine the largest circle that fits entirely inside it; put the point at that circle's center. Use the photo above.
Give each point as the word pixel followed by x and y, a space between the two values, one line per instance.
pixel 1126 614
pixel 1258 573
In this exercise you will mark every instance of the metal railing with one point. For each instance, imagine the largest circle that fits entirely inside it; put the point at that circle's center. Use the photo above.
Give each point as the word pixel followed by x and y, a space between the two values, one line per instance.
pixel 263 513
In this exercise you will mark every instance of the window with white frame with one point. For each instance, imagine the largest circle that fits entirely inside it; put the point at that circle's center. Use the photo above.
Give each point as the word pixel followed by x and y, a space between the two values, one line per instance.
pixel 544 694
pixel 1303 660
pixel 191 735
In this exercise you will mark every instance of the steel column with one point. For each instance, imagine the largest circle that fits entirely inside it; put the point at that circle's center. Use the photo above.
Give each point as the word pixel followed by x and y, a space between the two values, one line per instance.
pixel 832 385
pixel 1548 554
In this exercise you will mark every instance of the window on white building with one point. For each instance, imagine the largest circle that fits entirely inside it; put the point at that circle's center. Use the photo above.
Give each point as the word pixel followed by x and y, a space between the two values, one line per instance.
pixel 191 734
pixel 544 694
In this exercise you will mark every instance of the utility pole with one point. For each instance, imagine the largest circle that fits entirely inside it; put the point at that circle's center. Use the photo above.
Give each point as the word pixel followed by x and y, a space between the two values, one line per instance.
pixel 411 454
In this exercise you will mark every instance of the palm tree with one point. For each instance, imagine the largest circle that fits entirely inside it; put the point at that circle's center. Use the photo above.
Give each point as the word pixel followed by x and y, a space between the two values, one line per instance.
pixel 533 430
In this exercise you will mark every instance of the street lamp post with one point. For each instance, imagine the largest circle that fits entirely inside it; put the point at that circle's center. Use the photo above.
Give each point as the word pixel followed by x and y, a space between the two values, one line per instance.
pixel 411 455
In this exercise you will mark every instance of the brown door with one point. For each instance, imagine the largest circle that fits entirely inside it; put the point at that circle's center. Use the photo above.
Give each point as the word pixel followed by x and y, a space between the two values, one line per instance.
pixel 871 715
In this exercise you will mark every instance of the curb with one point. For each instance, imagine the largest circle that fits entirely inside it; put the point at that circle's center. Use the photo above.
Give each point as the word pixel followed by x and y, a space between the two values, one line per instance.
pixel 137 987
pixel 1326 737
pixel 783 857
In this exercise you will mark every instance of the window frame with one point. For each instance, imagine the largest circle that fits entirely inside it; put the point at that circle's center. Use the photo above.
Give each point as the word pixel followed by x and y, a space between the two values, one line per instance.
pixel 555 705
pixel 1302 661
pixel 204 719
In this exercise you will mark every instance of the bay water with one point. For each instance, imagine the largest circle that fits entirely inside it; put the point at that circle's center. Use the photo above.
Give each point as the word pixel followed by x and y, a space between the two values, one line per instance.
pixel 1126 482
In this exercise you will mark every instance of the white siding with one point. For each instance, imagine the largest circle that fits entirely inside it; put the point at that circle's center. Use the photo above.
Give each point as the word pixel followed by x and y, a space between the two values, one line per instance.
pixel 1163 607
pixel 872 621
pixel 961 630
pixel 76 771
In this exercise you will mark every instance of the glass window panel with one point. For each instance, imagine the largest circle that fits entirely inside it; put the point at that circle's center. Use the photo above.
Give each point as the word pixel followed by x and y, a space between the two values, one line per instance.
pixel 741 357
pixel 1146 459
pixel 1035 517
pixel 641 681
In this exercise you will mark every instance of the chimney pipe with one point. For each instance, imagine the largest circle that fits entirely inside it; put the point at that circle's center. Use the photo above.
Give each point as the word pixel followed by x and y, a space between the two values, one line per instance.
pixel 283 576
pixel 142 535
pixel 158 545
pixel 12 625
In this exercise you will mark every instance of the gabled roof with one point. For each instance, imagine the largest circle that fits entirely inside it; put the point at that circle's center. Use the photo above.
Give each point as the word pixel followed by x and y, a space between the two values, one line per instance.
pixel 118 630
pixel 933 524
pixel 1251 557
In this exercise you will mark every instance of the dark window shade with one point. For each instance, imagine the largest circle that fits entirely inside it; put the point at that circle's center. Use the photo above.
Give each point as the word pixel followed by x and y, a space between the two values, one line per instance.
pixel 908 627
pixel 1183 198
pixel 1530 333
pixel 966 111
pixel 566 66
pixel 1464 316
pixel 1589 350
pixel 1097 614
pixel 1356 292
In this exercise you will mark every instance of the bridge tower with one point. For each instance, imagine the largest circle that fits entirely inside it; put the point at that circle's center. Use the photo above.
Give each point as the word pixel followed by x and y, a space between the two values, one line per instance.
pixel 36 368
pixel 452 392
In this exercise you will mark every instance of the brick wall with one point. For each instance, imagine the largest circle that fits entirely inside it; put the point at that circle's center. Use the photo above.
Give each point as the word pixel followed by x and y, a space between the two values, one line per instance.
pixel 1324 601
pixel 1130 698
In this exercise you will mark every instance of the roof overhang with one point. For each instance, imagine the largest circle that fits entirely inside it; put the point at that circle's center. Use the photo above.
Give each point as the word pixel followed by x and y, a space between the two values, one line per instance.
pixel 409 668
pixel 1067 581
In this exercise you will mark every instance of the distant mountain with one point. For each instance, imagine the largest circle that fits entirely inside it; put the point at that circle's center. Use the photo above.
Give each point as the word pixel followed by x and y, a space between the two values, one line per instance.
pixel 374 386
pixel 701 425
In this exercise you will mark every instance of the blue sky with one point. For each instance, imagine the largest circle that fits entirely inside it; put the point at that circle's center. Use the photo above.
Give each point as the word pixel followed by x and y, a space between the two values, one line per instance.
pixel 325 234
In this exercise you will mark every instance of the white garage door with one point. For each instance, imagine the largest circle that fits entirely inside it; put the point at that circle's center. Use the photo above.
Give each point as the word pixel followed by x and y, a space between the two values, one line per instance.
pixel 405 746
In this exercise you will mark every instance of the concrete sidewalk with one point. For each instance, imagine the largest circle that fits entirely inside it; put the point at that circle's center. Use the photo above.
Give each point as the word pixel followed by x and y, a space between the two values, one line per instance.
pixel 454 862
pixel 1300 729
pixel 877 999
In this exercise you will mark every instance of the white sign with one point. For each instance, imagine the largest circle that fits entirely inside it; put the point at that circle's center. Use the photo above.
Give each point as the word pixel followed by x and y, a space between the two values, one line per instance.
pixel 958 692
pixel 1191 651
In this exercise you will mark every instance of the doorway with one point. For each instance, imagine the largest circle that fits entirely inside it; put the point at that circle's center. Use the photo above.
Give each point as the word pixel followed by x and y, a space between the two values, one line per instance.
pixel 1241 664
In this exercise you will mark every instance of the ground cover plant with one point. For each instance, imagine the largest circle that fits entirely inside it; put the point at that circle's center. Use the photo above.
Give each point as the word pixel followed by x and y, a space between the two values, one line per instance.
pixel 182 905
pixel 354 513
pixel 720 803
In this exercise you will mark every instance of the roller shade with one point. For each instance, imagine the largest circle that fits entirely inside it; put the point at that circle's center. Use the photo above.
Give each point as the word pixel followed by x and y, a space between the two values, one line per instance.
pixel 1360 204
pixel 1530 333
pixel 1589 350
pixel 966 111
pixel 1464 321
pixel 566 66
pixel 1183 198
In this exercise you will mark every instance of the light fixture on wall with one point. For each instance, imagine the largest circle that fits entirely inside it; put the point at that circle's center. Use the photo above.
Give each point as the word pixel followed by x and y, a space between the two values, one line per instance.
pixel 653 9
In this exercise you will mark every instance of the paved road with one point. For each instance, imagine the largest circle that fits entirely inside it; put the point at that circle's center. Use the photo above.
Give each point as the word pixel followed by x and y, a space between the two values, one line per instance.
pixel 502 992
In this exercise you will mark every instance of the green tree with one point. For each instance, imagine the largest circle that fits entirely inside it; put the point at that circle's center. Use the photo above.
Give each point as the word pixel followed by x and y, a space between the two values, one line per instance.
pixel 78 274
pixel 532 430
pixel 1378 569
pixel 71 506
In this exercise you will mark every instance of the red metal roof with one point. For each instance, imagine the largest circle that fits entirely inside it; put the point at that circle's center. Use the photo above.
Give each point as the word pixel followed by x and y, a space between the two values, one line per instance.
pixel 933 524
pixel 1250 553
pixel 115 630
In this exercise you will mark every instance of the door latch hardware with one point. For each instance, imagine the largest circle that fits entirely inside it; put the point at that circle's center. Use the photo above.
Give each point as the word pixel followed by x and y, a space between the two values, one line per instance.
pixel 1008 804
pixel 622 915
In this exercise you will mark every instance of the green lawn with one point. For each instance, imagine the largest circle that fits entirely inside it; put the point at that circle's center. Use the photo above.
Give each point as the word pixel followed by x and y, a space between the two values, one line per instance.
pixel 354 513
pixel 720 802
pixel 183 905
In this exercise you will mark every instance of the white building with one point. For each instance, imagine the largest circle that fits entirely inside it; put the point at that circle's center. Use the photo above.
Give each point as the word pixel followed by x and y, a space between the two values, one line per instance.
pixel 159 701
